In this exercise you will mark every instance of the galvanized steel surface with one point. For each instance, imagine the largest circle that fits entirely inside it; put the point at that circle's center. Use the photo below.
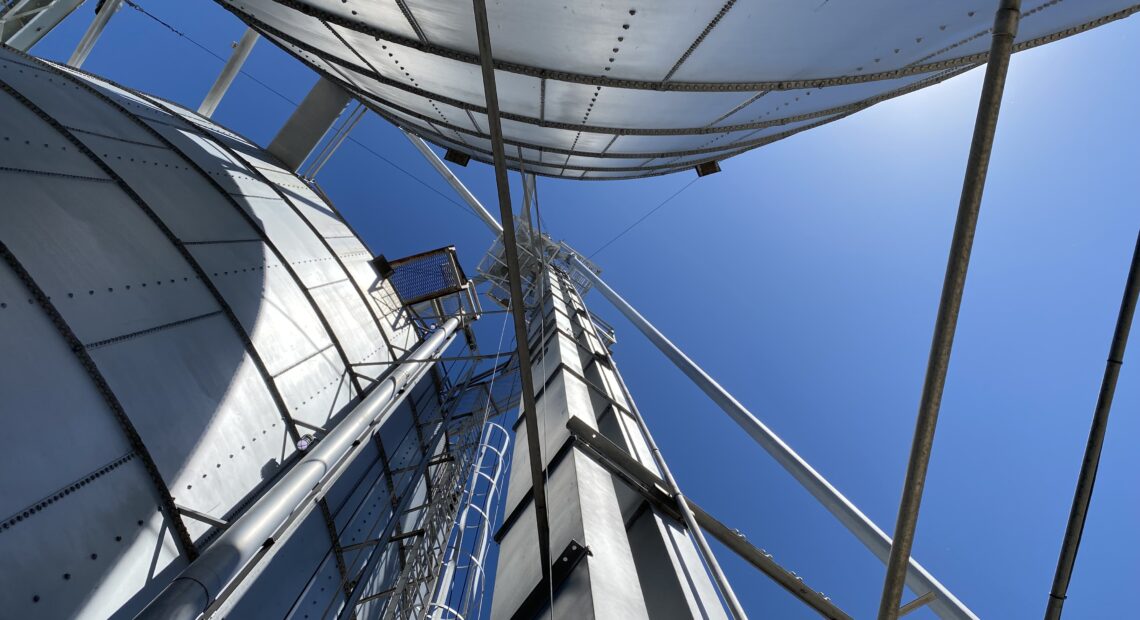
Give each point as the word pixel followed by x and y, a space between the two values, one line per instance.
pixel 212 299
pixel 604 90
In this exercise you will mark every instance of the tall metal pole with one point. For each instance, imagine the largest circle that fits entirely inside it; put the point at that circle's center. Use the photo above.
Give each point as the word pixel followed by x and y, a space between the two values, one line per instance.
pixel 455 183
pixel 1087 477
pixel 985 125
pixel 87 43
pixel 229 72
pixel 510 246
pixel 919 580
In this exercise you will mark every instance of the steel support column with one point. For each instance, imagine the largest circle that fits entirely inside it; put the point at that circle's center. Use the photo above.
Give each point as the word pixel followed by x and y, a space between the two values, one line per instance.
pixel 308 124
pixel 985 126
pixel 1083 495
pixel 947 605
pixel 510 245
pixel 87 43
pixel 229 72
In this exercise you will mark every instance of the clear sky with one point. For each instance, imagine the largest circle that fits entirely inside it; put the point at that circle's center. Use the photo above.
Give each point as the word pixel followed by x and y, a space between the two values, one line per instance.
pixel 805 278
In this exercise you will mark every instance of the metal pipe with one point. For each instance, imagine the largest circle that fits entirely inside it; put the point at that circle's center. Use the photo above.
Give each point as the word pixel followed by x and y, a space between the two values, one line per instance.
pixel 294 494
pixel 229 72
pixel 455 183
pixel 510 248
pixel 87 43
pixel 919 580
pixel 721 580
pixel 339 136
pixel 958 262
pixel 1087 477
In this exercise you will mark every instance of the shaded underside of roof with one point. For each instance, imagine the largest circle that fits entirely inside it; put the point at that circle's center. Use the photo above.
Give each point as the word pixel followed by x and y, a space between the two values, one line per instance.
pixel 596 89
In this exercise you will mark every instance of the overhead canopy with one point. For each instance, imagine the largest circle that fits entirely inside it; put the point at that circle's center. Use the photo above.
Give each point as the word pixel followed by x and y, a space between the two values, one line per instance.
pixel 597 89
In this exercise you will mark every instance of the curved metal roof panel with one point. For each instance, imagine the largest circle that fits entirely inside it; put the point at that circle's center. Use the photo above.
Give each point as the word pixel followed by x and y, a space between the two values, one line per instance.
pixel 600 89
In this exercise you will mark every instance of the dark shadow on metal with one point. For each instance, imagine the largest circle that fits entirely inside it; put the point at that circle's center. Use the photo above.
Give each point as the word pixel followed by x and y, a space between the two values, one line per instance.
pixel 538 599
pixel 1083 495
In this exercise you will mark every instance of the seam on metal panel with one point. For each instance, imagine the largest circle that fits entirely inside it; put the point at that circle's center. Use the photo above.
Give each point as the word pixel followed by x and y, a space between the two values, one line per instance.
pixel 115 138
pixel 182 535
pixel 65 490
pixel 222 241
pixel 260 230
pixel 407 11
pixel 235 323
pixel 260 176
pixel 593 80
pixel 60 175
pixel 700 39
pixel 150 330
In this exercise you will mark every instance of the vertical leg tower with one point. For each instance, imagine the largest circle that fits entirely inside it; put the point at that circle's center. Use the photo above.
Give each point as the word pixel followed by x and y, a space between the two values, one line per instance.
pixel 614 554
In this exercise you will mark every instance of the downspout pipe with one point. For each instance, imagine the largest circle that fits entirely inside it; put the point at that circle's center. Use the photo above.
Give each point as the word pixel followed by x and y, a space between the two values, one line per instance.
pixel 192 592
pixel 946 605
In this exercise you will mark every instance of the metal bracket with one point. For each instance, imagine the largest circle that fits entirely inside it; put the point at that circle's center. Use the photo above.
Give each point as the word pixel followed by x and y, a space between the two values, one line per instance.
pixel 618 462
pixel 201 516
pixel 564 565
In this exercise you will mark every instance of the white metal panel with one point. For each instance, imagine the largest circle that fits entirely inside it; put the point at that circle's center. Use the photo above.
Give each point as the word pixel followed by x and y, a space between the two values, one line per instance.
pixel 202 409
pixel 107 267
pixel 104 548
pixel 46 394
pixel 671 64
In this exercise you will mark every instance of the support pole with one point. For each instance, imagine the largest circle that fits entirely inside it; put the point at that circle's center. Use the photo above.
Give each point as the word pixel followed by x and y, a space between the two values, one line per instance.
pixel 229 72
pixel 985 125
pixel 87 43
pixel 192 592
pixel 455 183
pixel 334 142
pixel 510 246
pixel 1087 477
pixel 919 580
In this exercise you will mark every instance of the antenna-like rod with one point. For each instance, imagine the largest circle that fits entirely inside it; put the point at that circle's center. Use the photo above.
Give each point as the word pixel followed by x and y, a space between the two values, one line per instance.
pixel 1083 495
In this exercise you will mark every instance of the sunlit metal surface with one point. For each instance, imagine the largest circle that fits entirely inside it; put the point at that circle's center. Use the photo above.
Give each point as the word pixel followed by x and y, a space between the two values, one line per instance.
pixel 173 307
pixel 606 90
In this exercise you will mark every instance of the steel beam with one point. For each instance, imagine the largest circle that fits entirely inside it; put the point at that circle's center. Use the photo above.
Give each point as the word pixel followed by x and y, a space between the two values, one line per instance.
pixel 510 246
pixel 308 123
pixel 25 22
pixel 621 464
pixel 1083 495
pixel 455 183
pixel 292 496
pixel 339 136
pixel 87 43
pixel 985 126
pixel 229 72
pixel 919 580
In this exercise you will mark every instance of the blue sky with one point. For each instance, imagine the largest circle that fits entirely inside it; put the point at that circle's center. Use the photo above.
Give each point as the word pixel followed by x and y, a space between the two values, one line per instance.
pixel 805 278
